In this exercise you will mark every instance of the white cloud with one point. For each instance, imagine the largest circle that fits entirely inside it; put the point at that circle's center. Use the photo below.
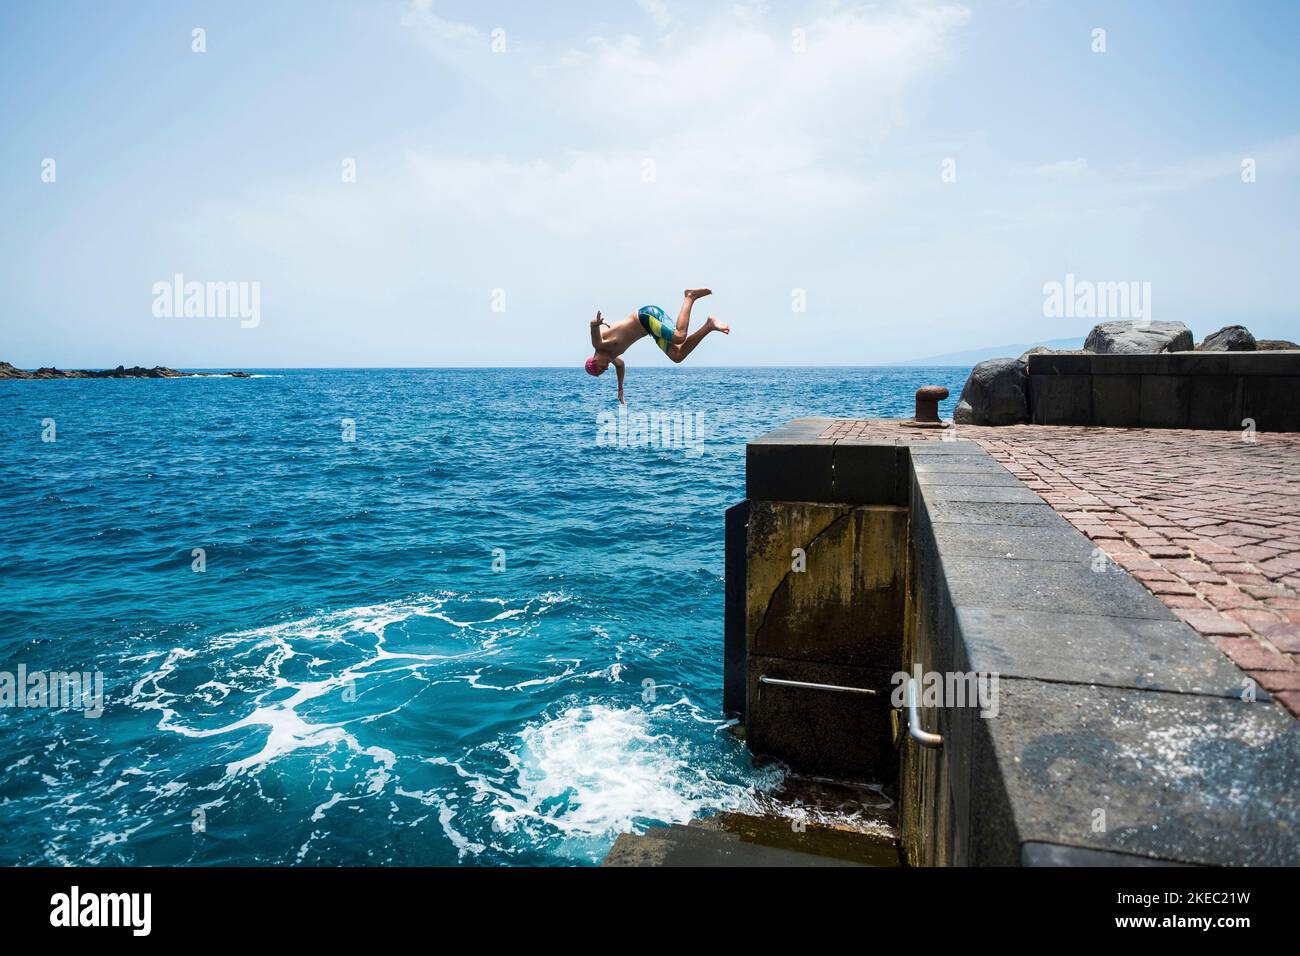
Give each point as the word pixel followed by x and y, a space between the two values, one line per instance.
pixel 734 76
pixel 658 11
pixel 420 15
pixel 742 132
pixel 758 158
pixel 738 125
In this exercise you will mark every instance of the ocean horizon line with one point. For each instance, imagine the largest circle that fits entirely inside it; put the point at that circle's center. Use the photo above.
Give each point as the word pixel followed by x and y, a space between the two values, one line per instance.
pixel 467 368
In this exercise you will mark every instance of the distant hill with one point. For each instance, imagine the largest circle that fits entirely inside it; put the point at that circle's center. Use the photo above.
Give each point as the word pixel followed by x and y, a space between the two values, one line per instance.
pixel 997 351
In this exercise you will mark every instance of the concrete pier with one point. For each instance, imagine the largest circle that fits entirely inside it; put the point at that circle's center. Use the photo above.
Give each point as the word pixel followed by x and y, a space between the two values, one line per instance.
pixel 1118 729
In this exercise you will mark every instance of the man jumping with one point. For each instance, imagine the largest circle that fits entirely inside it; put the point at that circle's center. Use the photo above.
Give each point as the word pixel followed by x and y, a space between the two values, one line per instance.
pixel 648 320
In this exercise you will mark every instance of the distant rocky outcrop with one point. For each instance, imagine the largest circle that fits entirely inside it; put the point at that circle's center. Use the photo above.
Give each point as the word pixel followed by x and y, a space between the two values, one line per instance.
pixel 135 371
pixel 1124 338
pixel 1275 345
pixel 1230 338
pixel 996 393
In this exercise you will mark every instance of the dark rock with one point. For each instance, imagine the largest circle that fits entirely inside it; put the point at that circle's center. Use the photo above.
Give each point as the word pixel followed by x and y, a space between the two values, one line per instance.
pixel 1111 338
pixel 1231 338
pixel 996 393
pixel 1275 345
pixel 135 371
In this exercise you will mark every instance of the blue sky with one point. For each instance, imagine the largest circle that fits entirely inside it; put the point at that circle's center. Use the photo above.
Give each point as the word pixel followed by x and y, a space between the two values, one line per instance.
pixel 614 153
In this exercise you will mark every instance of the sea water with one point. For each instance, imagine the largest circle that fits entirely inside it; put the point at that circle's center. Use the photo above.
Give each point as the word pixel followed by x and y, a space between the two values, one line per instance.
pixel 380 616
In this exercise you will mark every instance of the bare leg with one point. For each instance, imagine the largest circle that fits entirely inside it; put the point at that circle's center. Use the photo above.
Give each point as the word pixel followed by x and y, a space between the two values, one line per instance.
pixel 684 316
pixel 678 352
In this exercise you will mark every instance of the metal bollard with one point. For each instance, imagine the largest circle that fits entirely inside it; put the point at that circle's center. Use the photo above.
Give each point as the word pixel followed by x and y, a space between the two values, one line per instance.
pixel 928 398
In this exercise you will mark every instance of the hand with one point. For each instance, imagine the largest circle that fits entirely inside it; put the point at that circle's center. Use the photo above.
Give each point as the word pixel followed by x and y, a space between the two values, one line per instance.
pixel 599 320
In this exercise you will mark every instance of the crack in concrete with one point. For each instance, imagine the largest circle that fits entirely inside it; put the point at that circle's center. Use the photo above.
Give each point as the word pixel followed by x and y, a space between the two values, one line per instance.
pixel 767 607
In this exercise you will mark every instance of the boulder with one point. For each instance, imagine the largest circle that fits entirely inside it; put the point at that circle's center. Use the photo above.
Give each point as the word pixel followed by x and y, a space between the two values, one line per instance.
pixel 1230 338
pixel 1122 338
pixel 996 393
pixel 1036 350
pixel 1275 345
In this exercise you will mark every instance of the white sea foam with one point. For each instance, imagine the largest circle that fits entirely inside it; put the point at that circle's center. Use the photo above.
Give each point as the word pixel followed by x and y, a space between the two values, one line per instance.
pixel 566 785
pixel 287 731
pixel 281 716
pixel 569 668
pixel 446 814
pixel 598 770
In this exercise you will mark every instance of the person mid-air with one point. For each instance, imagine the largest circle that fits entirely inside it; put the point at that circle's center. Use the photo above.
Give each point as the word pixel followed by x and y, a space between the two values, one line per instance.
pixel 614 340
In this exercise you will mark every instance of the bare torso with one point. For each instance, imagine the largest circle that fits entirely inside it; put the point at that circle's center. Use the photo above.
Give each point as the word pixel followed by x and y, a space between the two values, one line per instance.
pixel 620 335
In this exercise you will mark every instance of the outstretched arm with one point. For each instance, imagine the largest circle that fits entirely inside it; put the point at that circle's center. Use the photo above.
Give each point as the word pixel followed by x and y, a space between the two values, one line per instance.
pixel 618 367
pixel 597 337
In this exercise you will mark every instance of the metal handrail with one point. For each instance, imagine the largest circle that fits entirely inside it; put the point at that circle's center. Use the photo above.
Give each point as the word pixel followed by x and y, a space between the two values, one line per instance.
pixel 764 679
pixel 922 737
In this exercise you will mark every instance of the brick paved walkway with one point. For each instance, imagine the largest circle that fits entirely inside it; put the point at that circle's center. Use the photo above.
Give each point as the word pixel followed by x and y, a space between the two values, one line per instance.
pixel 1208 522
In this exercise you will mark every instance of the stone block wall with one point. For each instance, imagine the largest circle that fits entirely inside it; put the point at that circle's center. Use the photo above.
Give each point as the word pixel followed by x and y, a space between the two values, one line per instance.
pixel 1211 390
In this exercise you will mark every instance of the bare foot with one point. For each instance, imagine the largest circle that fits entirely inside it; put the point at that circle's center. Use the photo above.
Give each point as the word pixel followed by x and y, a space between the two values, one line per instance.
pixel 697 293
pixel 717 326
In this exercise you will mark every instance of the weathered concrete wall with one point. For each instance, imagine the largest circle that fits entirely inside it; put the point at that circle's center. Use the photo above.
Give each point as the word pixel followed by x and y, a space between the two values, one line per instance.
pixel 735 585
pixel 838 620
pixel 825 582
pixel 1214 390
pixel 824 604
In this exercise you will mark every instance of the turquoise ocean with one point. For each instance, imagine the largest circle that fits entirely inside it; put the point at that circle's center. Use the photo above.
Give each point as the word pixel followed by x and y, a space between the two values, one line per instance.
pixel 380 616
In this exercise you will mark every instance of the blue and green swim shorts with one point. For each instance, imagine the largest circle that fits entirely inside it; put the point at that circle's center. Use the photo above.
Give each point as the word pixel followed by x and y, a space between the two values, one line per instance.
pixel 654 321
